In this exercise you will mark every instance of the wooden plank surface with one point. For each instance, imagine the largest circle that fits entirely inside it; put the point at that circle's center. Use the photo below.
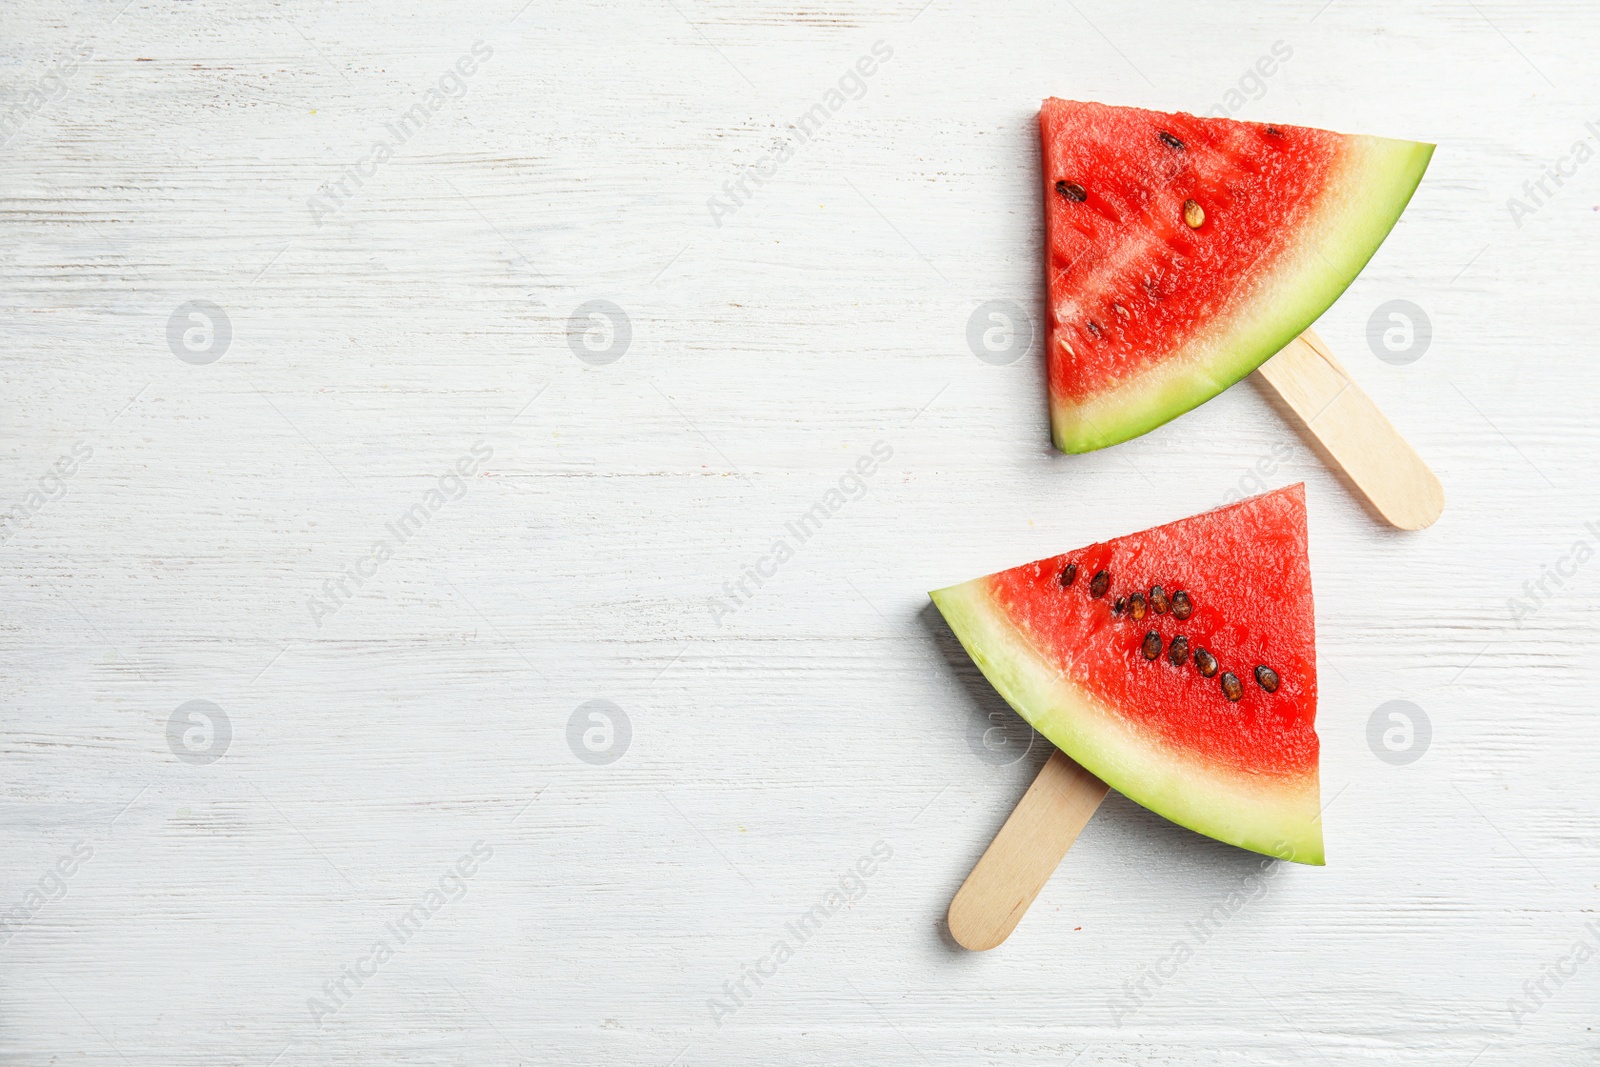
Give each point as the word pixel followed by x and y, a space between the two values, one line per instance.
pixel 806 756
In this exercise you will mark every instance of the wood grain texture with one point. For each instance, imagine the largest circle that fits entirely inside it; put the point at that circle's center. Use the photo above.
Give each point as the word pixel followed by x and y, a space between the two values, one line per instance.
pixel 1024 854
pixel 774 746
pixel 1357 437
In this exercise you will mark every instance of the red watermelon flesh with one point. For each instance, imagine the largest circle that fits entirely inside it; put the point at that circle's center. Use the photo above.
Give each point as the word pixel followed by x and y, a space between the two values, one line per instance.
pixel 1183 252
pixel 1163 733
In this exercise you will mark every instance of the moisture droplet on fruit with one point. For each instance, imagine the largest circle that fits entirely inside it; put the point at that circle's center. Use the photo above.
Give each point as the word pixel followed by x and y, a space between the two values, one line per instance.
pixel 1267 678
pixel 1182 606
pixel 1193 214
pixel 1136 606
pixel 1178 652
pixel 1171 141
pixel 1119 605
pixel 1205 662
pixel 1100 583
pixel 1069 575
pixel 1072 191
pixel 1231 687
pixel 1158 600
pixel 1152 646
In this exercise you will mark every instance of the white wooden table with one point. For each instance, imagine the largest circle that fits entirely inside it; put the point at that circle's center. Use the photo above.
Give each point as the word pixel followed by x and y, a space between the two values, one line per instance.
pixel 209 883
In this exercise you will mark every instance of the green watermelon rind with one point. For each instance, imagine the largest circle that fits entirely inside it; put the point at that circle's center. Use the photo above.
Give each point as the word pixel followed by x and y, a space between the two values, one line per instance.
pixel 1379 176
pixel 1278 817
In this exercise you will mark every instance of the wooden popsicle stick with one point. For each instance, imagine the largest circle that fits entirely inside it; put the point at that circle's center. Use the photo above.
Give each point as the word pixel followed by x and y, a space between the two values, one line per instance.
pixel 1349 425
pixel 1023 855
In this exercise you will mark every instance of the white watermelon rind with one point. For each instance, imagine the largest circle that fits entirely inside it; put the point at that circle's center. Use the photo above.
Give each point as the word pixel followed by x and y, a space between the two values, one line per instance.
pixel 1373 185
pixel 1274 815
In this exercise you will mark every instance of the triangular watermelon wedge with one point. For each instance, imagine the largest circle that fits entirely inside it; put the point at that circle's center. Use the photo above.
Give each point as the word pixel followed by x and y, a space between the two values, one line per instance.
pixel 1184 252
pixel 1178 665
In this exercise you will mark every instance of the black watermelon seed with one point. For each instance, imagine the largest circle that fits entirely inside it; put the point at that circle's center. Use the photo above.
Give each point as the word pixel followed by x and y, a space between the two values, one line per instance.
pixel 1205 662
pixel 1119 606
pixel 1274 131
pixel 1094 327
pixel 1231 687
pixel 1136 607
pixel 1099 584
pixel 1152 646
pixel 1171 141
pixel 1158 600
pixel 1069 575
pixel 1178 651
pixel 1182 606
pixel 1267 678
pixel 1072 191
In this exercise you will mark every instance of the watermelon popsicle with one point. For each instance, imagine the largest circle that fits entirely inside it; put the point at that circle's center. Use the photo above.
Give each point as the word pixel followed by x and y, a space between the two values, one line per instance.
pixel 1177 666
pixel 1183 253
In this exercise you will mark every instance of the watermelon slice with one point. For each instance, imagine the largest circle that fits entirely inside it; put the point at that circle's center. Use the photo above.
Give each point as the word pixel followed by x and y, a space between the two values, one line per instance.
pixel 1178 665
pixel 1185 252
